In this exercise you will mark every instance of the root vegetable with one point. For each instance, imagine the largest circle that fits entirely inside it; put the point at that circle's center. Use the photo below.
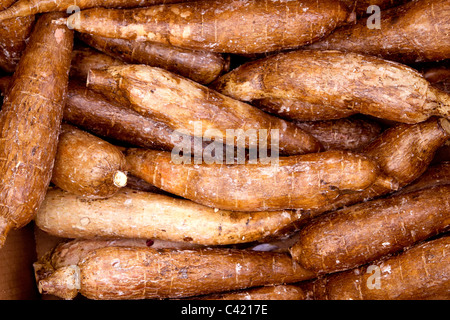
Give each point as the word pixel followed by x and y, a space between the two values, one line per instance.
pixel 319 85
pixel 414 32
pixel 278 292
pixel 23 8
pixel 200 66
pixel 419 273
pixel 30 122
pixel 403 153
pixel 342 134
pixel 85 59
pixel 91 111
pixel 88 166
pixel 341 240
pixel 226 26
pixel 177 101
pixel 297 182
pixel 144 215
pixel 361 6
pixel 14 34
pixel 71 252
pixel 145 273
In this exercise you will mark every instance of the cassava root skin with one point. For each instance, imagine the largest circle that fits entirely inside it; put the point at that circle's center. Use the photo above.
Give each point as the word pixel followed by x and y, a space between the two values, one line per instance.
pixel 436 175
pixel 297 182
pixel 278 292
pixel 224 26
pixel 342 134
pixel 365 232
pixel 144 215
pixel 128 273
pixel 310 85
pixel 418 273
pixel 92 112
pixel 25 8
pixel 86 165
pixel 403 153
pixel 414 32
pixel 176 101
pixel 30 122
pixel 71 252
pixel 201 66
pixel 14 34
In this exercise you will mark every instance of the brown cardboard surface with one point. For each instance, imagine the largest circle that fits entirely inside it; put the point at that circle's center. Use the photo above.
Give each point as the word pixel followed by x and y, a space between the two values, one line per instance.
pixel 16 266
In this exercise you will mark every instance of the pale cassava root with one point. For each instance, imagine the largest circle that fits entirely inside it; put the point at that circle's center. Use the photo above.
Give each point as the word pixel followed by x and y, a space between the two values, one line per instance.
pixel 155 216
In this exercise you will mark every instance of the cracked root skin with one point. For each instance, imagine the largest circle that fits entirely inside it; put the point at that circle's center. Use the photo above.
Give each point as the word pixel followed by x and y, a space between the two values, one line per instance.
pixel 30 121
pixel 309 85
pixel 341 240
pixel 200 66
pixel 24 8
pixel 155 216
pixel 425 26
pixel 14 34
pixel 87 165
pixel 298 182
pixel 146 273
pixel 229 26
pixel 176 101
pixel 421 272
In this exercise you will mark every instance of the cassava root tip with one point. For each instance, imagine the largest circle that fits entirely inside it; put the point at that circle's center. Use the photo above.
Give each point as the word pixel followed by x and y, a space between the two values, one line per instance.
pixel 120 179
pixel 445 124
pixel 63 283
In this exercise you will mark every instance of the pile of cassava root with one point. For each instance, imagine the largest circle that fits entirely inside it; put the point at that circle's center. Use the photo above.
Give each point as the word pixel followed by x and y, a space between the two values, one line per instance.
pixel 353 204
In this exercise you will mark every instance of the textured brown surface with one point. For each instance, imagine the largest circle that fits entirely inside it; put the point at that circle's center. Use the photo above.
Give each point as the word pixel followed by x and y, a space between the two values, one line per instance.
pixel 181 103
pixel 278 292
pixel 403 153
pixel 60 252
pixel 200 66
pixel 342 134
pixel 296 182
pixel 137 214
pixel 27 7
pixel 361 6
pixel 30 122
pixel 414 32
pixel 13 36
pixel 91 111
pixel 146 273
pixel 86 165
pixel 436 175
pixel 419 273
pixel 232 26
pixel 322 85
pixel 351 237
pixel 85 59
